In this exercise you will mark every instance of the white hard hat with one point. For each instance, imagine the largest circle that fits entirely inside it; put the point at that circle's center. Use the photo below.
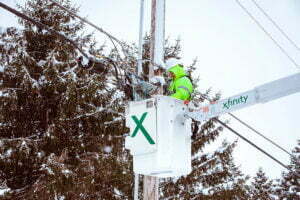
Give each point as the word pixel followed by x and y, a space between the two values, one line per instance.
pixel 171 62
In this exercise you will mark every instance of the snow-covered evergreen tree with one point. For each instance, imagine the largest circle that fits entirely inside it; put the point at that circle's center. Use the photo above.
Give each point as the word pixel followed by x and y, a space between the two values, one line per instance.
pixel 262 188
pixel 290 184
pixel 61 127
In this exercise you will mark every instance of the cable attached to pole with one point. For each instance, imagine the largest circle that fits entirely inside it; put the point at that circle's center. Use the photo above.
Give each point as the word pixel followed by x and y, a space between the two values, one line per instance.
pixel 111 37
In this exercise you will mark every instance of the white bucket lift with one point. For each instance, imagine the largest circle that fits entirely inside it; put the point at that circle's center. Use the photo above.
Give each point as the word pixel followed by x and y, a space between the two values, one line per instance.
pixel 160 127
pixel 160 137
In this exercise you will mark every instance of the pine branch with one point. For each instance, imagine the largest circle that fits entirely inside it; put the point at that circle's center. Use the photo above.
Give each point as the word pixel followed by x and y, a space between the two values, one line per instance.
pixel 32 80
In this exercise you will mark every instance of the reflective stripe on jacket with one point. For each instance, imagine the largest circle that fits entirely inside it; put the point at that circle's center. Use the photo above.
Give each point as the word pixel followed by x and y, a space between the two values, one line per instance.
pixel 181 86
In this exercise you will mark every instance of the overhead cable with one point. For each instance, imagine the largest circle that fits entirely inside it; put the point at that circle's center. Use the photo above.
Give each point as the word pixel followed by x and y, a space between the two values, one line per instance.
pixel 251 128
pixel 276 25
pixel 268 34
pixel 251 143
pixel 260 134
pixel 111 37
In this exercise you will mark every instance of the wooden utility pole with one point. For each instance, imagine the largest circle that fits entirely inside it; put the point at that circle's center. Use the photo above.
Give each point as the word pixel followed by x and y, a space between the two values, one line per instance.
pixel 151 183
pixel 157 34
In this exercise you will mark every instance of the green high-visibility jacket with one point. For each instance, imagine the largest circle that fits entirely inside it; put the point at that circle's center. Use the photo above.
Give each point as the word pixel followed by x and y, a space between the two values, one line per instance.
pixel 181 86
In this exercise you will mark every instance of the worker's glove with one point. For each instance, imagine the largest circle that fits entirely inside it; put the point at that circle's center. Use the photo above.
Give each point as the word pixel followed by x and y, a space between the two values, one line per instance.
pixel 157 80
pixel 186 102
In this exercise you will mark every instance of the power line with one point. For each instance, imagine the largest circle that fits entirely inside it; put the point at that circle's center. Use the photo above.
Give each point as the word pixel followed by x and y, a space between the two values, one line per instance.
pixel 276 25
pixel 111 37
pixel 268 34
pixel 260 134
pixel 251 143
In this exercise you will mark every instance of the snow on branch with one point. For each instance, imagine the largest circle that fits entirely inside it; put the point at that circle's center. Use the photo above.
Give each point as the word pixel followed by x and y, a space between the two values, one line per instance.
pixel 32 80
pixel 115 120
pixel 30 138
pixel 98 110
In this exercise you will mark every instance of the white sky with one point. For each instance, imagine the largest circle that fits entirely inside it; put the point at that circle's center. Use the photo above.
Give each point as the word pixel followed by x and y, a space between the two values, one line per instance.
pixel 234 56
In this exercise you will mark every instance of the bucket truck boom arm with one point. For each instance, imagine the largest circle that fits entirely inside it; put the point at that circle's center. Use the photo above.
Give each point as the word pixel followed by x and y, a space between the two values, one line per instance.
pixel 261 94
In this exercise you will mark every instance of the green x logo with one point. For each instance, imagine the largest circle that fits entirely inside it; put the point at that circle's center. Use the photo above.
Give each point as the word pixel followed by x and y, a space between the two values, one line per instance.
pixel 139 126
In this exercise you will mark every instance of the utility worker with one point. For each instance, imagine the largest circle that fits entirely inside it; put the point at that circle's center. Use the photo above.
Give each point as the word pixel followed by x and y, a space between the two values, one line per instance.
pixel 181 86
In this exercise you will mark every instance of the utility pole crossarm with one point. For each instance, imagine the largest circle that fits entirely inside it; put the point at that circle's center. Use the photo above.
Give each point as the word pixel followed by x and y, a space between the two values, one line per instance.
pixel 261 94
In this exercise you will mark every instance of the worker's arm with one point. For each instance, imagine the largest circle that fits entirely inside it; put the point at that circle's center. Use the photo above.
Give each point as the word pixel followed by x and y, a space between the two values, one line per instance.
pixel 181 94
